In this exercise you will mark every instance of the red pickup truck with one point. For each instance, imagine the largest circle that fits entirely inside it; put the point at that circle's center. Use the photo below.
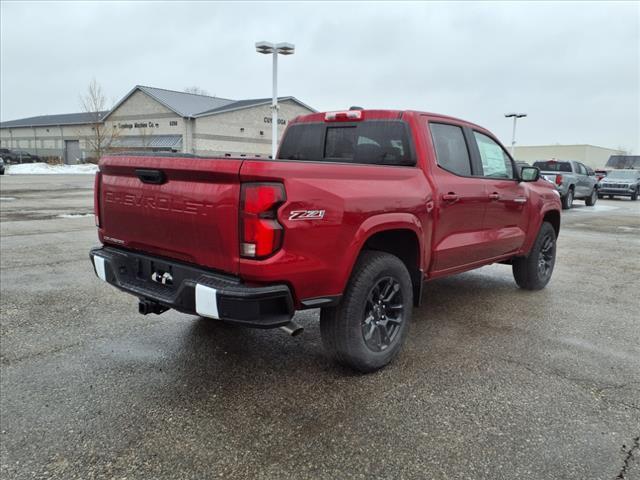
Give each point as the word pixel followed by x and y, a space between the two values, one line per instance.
pixel 359 209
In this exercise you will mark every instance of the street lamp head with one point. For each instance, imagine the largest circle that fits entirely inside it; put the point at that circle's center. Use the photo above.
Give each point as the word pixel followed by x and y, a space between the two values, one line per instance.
pixel 265 47
pixel 285 48
pixel 517 115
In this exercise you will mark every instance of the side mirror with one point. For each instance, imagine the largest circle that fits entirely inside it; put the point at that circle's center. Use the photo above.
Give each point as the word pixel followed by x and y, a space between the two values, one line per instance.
pixel 529 174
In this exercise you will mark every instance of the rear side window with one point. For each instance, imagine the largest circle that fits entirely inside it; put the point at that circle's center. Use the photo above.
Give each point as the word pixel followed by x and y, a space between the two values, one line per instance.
pixel 303 142
pixel 451 149
pixel 553 166
pixel 368 142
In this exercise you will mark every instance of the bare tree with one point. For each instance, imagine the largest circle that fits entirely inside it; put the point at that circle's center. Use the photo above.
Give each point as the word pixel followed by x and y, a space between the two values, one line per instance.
pixel 196 91
pixel 94 103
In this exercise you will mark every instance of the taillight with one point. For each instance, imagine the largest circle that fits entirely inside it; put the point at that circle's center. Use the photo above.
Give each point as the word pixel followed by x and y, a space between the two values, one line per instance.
pixel 346 116
pixel 558 179
pixel 96 198
pixel 260 232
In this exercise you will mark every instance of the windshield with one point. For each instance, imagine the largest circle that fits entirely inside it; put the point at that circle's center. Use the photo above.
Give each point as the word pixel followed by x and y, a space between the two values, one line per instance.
pixel 627 175
pixel 371 142
pixel 553 166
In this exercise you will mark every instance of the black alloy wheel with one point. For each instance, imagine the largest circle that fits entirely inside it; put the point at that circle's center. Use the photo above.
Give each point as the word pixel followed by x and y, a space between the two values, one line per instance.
pixel 383 314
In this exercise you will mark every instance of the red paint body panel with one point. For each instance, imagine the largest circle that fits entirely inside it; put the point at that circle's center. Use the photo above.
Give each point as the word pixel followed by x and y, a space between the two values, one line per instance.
pixel 194 215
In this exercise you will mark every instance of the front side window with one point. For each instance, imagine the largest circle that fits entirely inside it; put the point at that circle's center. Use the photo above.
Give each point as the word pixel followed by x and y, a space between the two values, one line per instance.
pixel 495 162
pixel 451 149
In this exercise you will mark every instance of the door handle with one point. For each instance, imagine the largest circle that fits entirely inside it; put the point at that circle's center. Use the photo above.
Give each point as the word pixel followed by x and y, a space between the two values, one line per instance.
pixel 156 177
pixel 494 196
pixel 520 200
pixel 450 197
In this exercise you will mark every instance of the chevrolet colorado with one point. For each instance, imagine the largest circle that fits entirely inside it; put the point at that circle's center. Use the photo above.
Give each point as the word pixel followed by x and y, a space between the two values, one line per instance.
pixel 573 180
pixel 357 211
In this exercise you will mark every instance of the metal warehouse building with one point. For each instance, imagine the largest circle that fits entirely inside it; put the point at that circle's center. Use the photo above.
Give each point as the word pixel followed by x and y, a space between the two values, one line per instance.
pixel 155 119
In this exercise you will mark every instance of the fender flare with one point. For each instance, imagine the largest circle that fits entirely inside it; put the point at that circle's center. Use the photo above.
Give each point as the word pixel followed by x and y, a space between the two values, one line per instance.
pixel 532 238
pixel 381 223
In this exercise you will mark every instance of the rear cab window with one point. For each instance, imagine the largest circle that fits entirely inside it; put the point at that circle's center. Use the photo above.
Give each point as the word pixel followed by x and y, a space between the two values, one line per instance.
pixel 378 142
pixel 553 166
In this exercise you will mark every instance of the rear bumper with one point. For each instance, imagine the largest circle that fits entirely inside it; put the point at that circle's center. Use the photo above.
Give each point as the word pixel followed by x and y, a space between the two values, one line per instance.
pixel 193 290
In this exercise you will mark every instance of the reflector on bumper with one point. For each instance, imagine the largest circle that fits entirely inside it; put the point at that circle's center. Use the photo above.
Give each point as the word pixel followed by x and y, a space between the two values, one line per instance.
pixel 206 301
pixel 100 270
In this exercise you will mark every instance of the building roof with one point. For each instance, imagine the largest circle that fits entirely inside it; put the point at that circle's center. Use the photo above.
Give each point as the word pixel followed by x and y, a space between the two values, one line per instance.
pixel 183 103
pixel 187 105
pixel 54 120
pixel 240 104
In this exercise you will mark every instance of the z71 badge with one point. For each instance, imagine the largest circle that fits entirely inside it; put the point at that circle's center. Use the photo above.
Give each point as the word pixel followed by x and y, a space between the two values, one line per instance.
pixel 306 215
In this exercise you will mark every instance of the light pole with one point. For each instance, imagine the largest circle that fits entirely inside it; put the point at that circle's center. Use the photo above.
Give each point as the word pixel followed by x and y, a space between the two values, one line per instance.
pixel 515 116
pixel 275 49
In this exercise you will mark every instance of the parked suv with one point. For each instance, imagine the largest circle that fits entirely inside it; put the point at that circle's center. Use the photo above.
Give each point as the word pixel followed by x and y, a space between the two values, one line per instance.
pixel 357 211
pixel 621 183
pixel 572 179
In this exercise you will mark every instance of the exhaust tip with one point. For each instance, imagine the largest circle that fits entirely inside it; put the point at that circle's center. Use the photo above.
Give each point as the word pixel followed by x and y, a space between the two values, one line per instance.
pixel 292 328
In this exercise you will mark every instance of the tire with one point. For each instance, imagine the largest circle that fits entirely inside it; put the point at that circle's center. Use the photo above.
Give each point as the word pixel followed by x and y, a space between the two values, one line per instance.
pixel 567 201
pixel 343 328
pixel 634 195
pixel 600 196
pixel 590 201
pixel 610 197
pixel 534 271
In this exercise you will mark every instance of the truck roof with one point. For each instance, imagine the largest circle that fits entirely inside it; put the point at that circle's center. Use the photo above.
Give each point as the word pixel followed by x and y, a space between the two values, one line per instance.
pixel 381 115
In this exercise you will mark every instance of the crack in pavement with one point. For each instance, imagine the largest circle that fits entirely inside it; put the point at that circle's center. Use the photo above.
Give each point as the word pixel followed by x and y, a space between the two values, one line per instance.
pixel 587 385
pixel 627 460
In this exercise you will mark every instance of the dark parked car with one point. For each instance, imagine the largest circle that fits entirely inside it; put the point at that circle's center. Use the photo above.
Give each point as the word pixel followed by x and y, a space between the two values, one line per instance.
pixel 8 156
pixel 18 156
pixel 1 166
pixel 621 183
pixel 26 157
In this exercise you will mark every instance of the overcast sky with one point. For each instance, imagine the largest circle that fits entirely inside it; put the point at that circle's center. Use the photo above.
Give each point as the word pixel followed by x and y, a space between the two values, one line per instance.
pixel 574 68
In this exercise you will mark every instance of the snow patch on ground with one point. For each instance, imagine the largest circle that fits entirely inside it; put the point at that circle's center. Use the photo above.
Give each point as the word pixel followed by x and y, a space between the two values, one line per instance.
pixel 75 215
pixel 46 169
pixel 7 199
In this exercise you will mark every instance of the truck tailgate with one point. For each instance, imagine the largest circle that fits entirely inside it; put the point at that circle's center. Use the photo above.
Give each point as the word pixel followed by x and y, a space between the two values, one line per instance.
pixel 185 208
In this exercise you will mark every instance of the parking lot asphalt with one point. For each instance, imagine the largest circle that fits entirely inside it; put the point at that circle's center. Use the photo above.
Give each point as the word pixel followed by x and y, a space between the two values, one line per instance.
pixel 493 383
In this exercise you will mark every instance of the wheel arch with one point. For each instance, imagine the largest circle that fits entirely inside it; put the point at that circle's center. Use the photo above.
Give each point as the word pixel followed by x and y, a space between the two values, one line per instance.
pixel 553 217
pixel 398 234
